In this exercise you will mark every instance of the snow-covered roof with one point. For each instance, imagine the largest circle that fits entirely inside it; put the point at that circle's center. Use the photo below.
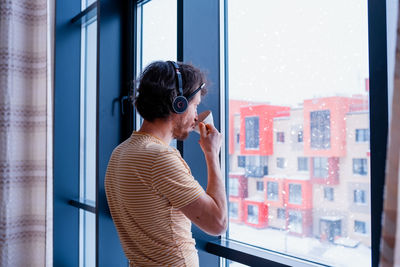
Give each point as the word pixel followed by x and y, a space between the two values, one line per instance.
pixel 331 218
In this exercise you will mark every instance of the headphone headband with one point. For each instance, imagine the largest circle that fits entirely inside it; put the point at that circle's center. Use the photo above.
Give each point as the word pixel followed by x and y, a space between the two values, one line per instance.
pixel 180 102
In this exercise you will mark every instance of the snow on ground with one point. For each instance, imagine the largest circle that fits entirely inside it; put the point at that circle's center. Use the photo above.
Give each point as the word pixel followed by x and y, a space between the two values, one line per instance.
pixel 306 248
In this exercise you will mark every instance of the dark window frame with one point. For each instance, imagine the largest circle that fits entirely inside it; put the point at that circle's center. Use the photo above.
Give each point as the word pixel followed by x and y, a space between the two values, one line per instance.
pixel 301 162
pixel 295 194
pixel 252 132
pixel 320 129
pixel 320 170
pixel 362 135
pixel 360 225
pixel 280 137
pixel 272 191
pixel 280 162
pixel 360 166
pixel 329 193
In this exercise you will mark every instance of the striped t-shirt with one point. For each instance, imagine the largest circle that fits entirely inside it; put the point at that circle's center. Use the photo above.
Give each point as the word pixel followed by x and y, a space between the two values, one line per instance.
pixel 147 182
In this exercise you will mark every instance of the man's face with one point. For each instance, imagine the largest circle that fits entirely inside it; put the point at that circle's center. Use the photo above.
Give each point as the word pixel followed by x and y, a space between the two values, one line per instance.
pixel 185 123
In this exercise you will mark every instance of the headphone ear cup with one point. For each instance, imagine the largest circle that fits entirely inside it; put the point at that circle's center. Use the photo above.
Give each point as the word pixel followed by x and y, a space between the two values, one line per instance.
pixel 180 104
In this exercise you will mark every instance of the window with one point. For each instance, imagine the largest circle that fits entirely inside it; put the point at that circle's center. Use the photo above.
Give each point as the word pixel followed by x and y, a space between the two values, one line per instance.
pixel 280 163
pixel 304 106
pixel 260 186
pixel 320 129
pixel 360 166
pixel 320 167
pixel 328 193
pixel 281 214
pixel 295 194
pixel 233 187
pixel 256 166
pixel 300 137
pixel 362 135
pixel 360 227
pixel 359 196
pixel 242 161
pixel 295 221
pixel 252 214
pixel 252 132
pixel 156 37
pixel 88 138
pixel 280 137
pixel 272 191
pixel 302 164
pixel 233 210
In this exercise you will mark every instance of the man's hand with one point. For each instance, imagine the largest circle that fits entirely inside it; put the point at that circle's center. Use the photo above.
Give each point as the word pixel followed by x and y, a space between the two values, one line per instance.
pixel 210 139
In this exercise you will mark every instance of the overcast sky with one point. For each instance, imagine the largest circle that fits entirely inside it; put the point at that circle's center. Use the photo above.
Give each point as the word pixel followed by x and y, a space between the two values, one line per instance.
pixel 281 51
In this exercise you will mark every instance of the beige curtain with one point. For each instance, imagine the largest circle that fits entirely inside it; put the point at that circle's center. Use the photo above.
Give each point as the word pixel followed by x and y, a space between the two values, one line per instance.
pixel 390 242
pixel 23 131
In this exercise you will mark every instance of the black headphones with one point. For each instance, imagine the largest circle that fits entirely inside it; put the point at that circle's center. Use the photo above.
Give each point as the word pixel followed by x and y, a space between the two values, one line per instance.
pixel 180 102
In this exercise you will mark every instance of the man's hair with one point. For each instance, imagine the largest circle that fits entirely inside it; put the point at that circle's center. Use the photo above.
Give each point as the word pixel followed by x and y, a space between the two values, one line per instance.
pixel 158 88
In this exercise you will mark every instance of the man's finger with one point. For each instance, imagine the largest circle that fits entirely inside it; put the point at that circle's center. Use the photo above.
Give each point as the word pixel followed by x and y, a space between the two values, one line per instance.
pixel 203 130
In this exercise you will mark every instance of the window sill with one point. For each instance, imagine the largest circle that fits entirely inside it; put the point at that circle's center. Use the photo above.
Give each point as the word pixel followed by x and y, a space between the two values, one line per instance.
pixel 250 255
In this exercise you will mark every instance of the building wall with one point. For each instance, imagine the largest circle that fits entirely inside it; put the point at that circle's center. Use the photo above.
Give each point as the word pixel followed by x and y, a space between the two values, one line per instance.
pixel 361 212
pixel 345 118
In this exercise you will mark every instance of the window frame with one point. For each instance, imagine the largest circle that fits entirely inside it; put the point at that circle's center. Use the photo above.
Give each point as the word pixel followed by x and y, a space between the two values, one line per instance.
pixel 360 166
pixel 319 169
pixel 300 163
pixel 214 58
pixel 378 99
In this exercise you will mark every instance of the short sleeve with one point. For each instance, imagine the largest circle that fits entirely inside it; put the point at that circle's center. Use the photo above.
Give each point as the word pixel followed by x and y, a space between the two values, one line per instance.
pixel 173 179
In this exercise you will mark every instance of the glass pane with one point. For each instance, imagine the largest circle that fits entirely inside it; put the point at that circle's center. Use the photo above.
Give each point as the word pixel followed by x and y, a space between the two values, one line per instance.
pixel 88 113
pixel 87 3
pixel 88 93
pixel 298 101
pixel 87 239
pixel 157 36
pixel 159 31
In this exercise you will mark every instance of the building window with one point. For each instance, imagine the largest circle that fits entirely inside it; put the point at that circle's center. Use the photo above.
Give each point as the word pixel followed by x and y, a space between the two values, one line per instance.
pixel 302 164
pixel 300 137
pixel 280 137
pixel 272 191
pixel 233 187
pixel 260 186
pixel 242 161
pixel 233 210
pixel 280 163
pixel 256 166
pixel 320 129
pixel 359 196
pixel 295 194
pixel 252 132
pixel 281 213
pixel 252 214
pixel 362 135
pixel 320 167
pixel 360 227
pixel 295 222
pixel 360 166
pixel 328 193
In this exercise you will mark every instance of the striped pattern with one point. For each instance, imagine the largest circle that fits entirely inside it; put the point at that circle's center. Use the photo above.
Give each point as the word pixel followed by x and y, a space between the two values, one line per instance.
pixel 147 182
pixel 24 126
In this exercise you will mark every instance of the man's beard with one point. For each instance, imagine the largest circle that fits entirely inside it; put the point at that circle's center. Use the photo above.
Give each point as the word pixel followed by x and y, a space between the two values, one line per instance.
pixel 180 131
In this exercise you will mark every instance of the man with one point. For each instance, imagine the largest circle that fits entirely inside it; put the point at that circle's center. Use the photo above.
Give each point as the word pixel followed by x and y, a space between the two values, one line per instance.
pixel 153 197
